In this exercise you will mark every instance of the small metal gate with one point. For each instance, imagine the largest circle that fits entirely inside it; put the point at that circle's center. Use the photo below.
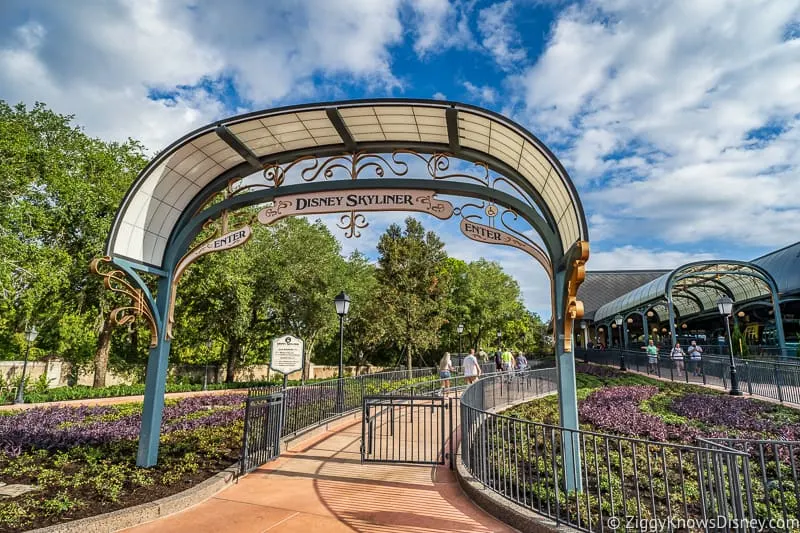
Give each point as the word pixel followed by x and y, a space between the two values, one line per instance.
pixel 405 429
pixel 263 420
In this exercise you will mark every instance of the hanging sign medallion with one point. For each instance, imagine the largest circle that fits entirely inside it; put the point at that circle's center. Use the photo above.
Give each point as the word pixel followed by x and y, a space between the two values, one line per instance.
pixel 287 354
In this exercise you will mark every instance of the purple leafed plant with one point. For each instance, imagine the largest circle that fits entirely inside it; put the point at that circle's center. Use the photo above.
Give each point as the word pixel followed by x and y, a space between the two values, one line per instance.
pixel 616 409
pixel 736 413
pixel 65 427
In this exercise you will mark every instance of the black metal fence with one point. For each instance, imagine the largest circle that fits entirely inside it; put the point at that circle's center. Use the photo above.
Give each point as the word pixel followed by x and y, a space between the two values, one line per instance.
pixel 405 429
pixel 310 405
pixel 768 379
pixel 263 418
pixel 620 482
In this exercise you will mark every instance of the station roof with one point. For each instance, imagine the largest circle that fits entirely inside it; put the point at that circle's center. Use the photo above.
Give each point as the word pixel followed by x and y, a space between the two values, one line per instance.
pixel 696 287
pixel 241 145
pixel 602 286
pixel 784 266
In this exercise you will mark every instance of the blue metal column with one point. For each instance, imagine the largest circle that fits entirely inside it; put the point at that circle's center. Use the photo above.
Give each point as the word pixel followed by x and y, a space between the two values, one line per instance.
pixel 155 384
pixel 646 328
pixel 671 309
pixel 625 333
pixel 567 392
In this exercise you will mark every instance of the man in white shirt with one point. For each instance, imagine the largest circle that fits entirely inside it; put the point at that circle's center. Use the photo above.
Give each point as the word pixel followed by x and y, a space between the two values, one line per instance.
pixel 695 353
pixel 472 370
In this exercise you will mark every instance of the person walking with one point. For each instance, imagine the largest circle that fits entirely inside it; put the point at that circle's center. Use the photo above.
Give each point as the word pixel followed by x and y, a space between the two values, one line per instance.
pixel 484 357
pixel 521 362
pixel 445 367
pixel 508 362
pixel 696 357
pixel 472 369
pixel 677 357
pixel 498 360
pixel 652 356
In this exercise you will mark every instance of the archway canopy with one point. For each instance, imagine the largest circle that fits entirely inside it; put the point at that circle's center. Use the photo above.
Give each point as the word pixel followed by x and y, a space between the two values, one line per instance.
pixel 174 199
pixel 173 186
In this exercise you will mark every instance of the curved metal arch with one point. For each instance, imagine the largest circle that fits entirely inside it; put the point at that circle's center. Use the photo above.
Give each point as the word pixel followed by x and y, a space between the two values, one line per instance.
pixel 219 183
pixel 252 163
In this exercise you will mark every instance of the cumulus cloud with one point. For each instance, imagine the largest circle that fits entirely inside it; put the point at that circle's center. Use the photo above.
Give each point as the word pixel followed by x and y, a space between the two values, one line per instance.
pixel 104 61
pixel 439 25
pixel 483 94
pixel 636 258
pixel 499 35
pixel 680 118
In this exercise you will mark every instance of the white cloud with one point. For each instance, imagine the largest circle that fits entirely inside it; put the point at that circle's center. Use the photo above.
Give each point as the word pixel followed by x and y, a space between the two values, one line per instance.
pixel 636 258
pixel 499 36
pixel 657 102
pixel 483 94
pixel 439 96
pixel 441 25
pixel 101 60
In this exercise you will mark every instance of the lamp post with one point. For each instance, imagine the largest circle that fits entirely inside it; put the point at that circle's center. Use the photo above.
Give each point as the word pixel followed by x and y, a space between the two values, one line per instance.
pixel 342 303
pixel 584 331
pixel 205 368
pixel 618 320
pixel 460 330
pixel 725 306
pixel 499 337
pixel 30 336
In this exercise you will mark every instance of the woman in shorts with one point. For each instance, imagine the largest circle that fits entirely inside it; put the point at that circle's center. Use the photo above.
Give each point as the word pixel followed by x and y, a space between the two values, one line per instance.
pixel 445 367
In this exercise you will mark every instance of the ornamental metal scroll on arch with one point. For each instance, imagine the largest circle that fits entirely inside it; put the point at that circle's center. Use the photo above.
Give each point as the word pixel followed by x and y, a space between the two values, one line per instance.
pixel 574 307
pixel 116 281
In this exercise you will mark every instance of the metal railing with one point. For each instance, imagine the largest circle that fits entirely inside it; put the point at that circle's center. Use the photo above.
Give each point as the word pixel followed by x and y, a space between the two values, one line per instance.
pixel 774 380
pixel 310 405
pixel 621 482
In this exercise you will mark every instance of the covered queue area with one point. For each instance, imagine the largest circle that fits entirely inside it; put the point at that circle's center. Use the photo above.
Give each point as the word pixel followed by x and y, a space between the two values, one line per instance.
pixel 723 306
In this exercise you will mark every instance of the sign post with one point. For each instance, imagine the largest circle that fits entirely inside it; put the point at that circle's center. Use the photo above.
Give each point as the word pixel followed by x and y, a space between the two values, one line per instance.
pixel 288 355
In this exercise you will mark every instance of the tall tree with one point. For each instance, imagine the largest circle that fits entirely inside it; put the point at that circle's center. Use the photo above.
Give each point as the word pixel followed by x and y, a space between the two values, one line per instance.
pixel 414 286
pixel 61 189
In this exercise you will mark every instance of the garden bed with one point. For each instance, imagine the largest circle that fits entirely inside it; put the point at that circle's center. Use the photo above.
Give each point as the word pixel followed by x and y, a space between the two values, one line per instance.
pixel 82 460
pixel 662 459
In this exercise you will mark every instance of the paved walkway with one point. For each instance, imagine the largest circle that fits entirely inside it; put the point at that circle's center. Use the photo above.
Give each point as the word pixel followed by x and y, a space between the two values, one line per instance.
pixel 322 486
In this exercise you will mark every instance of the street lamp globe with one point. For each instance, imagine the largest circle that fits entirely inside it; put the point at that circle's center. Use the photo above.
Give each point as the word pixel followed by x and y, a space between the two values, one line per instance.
pixel 725 306
pixel 460 329
pixel 583 324
pixel 342 303
pixel 31 334
pixel 618 320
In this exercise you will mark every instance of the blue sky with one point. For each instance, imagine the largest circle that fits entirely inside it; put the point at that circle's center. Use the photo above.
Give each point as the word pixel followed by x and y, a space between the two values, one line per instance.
pixel 678 120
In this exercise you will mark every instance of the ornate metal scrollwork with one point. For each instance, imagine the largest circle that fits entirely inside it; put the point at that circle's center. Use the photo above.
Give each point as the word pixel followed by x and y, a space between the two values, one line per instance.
pixel 352 222
pixel 116 281
pixel 355 165
pixel 574 307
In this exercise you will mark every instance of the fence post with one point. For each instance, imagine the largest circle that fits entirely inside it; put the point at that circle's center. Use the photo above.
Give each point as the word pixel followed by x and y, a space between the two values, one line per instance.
pixel 749 382
pixel 778 383
pixel 243 461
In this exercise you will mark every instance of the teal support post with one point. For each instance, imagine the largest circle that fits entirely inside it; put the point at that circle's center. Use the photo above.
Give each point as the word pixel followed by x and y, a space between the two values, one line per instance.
pixel 625 334
pixel 155 384
pixel 646 327
pixel 776 310
pixel 567 393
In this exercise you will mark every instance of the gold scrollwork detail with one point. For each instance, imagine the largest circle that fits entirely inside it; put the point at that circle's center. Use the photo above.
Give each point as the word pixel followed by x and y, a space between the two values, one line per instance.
pixel 116 281
pixel 574 307
pixel 352 222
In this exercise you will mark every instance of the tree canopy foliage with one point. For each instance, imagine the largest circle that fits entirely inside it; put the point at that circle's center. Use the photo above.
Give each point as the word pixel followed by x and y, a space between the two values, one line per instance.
pixel 59 190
